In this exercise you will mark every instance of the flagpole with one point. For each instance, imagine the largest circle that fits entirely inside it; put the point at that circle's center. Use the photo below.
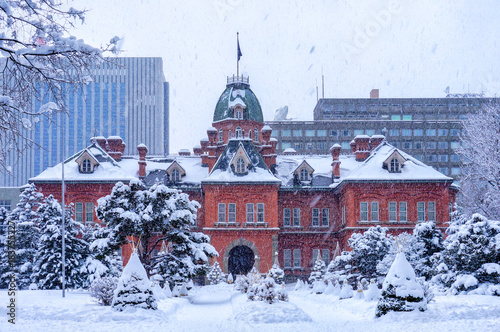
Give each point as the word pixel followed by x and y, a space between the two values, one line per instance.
pixel 238 54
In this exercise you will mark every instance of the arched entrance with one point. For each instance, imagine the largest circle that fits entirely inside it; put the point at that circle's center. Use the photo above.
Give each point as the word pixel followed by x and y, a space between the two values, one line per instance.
pixel 241 260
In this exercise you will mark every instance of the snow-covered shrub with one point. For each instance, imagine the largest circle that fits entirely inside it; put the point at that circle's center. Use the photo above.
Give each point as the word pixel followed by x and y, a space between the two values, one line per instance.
pixel 318 287
pixel 266 290
pixel 215 275
pixel 276 272
pixel 372 293
pixel 359 292
pixel 401 291
pixel 340 268
pixel 329 290
pixel 230 279
pixel 318 271
pixel 103 289
pixel 346 291
pixel 134 287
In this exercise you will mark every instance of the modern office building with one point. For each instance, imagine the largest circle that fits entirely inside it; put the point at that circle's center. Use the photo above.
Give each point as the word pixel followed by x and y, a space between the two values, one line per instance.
pixel 128 98
pixel 426 128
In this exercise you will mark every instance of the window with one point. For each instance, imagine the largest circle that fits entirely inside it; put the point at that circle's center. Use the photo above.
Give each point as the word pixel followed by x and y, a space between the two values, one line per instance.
pixel 221 135
pixel 325 255
pixel 394 132
pixel 431 145
pixel 256 135
pixel 363 208
pixel 315 217
pixel 287 258
pixel 344 220
pixel 374 211
pixel 370 132
pixel 443 145
pixel 406 145
pixel 333 133
pixel 442 132
pixel 407 117
pixel 430 132
pixel 346 133
pixel 240 166
pixel 250 218
pixel 395 117
pixel 443 158
pixel 359 132
pixel 406 132
pixel 6 204
pixel 297 146
pixel 443 170
pixel 296 258
pixel 418 145
pixel 238 115
pixel 393 211
pixel 286 145
pixel 86 166
pixel 79 212
pixel 421 211
pixel 310 133
pixel 310 146
pixel 231 212
pixel 260 212
pixel 321 132
pixel 222 213
pixel 455 158
pixel 402 212
pixel 316 253
pixel 286 217
pixel 238 132
pixel 325 217
pixel 432 158
pixel 297 133
pixel 296 217
pixel 394 166
pixel 431 211
pixel 418 132
pixel 321 146
pixel 346 145
pixel 455 145
pixel 454 132
pixel 304 175
pixel 89 212
pixel 175 176
pixel 286 133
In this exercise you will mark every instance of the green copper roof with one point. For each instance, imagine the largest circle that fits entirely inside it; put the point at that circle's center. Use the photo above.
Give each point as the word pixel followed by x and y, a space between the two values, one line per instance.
pixel 238 93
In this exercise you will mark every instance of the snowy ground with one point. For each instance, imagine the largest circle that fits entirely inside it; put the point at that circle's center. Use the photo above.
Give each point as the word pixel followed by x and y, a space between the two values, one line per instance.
pixel 219 308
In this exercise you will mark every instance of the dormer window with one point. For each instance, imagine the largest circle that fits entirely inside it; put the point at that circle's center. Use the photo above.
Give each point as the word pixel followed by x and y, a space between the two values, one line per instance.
pixel 175 172
pixel 239 133
pixel 241 166
pixel 175 176
pixel 256 135
pixel 86 166
pixel 394 166
pixel 221 135
pixel 304 175
pixel 238 114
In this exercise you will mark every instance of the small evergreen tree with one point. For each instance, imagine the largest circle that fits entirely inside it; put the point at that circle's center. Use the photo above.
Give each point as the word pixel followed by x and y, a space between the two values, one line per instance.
pixel 48 259
pixel 341 268
pixel 4 261
pixel 215 276
pixel 266 290
pixel 276 272
pixel 401 291
pixel 317 271
pixel 24 219
pixel 134 288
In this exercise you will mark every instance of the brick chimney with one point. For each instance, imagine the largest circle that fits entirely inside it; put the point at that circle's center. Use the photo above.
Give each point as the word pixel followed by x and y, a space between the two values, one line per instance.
pixel 142 149
pixel 362 147
pixel 101 140
pixel 375 141
pixel 184 152
pixel 266 133
pixel 115 147
pixel 335 152
pixel 374 93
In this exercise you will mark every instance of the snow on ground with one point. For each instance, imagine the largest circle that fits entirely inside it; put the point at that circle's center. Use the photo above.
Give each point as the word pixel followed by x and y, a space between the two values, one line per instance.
pixel 220 308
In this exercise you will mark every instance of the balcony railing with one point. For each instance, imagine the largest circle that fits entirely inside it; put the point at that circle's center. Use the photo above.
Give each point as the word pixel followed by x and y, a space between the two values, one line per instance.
pixel 238 79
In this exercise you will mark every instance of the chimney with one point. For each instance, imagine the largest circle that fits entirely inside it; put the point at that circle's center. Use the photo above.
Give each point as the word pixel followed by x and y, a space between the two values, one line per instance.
pixel 335 152
pixel 184 152
pixel 101 140
pixel 362 147
pixel 197 150
pixel 375 141
pixel 115 147
pixel 266 133
pixel 212 135
pixel 374 93
pixel 142 149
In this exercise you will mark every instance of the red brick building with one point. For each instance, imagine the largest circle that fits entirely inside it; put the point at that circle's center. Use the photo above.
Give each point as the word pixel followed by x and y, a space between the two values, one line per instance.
pixel 255 203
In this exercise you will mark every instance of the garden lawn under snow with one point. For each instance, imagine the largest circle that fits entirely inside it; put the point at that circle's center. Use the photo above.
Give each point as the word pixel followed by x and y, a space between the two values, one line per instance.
pixel 220 308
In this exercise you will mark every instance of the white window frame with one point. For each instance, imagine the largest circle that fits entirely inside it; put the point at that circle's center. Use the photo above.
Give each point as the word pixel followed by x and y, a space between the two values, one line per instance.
pixel 79 212
pixel 256 135
pixel 221 212
pixel 325 255
pixel 374 211
pixel 363 211
pixel 287 258
pixel 287 217
pixel 431 211
pixel 250 213
pixel 315 217
pixel 393 211
pixel 260 212
pixel 403 212
pixel 420 211
pixel 175 175
pixel 221 135
pixel 89 212
pixel 297 259
pixel 86 166
pixel 344 216
pixel 240 165
pixel 394 165
pixel 296 216
pixel 304 175
pixel 238 132
pixel 325 217
pixel 231 212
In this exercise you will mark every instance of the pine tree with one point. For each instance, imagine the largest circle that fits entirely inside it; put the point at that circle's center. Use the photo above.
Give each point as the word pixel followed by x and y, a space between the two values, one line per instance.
pixel 24 218
pixel 134 287
pixel 4 261
pixel 317 271
pixel 401 291
pixel 48 259
pixel 276 272
pixel 215 276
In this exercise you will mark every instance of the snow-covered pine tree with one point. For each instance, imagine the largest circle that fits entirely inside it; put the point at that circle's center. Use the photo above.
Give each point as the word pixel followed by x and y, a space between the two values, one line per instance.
pixel 346 291
pixel 266 290
pixel 215 275
pixel 401 291
pixel 4 261
pixel 48 259
pixel 318 271
pixel 134 288
pixel 429 242
pixel 102 289
pixel 276 272
pixel 131 210
pixel 341 268
pixel 368 249
pixel 24 217
pixel 470 245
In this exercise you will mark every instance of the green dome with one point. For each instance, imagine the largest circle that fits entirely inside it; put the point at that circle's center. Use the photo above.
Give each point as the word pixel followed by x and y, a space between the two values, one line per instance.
pixel 238 92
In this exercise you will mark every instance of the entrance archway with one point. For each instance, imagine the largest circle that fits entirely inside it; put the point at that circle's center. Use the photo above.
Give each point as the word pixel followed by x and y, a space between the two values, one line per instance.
pixel 241 260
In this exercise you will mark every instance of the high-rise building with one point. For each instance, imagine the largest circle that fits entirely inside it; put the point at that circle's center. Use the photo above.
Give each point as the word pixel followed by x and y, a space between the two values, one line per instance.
pixel 427 128
pixel 128 97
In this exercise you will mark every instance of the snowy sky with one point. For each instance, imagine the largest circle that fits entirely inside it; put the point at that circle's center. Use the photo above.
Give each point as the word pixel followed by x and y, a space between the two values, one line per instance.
pixel 404 48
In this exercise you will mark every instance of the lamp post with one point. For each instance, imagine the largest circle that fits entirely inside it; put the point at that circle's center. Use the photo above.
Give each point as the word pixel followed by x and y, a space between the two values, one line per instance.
pixel 63 256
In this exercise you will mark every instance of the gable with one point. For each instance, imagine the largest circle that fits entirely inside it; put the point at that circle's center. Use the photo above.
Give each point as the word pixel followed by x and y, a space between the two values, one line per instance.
pixel 394 162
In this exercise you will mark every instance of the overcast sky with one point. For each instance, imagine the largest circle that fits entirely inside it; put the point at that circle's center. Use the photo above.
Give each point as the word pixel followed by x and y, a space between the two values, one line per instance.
pixel 406 49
